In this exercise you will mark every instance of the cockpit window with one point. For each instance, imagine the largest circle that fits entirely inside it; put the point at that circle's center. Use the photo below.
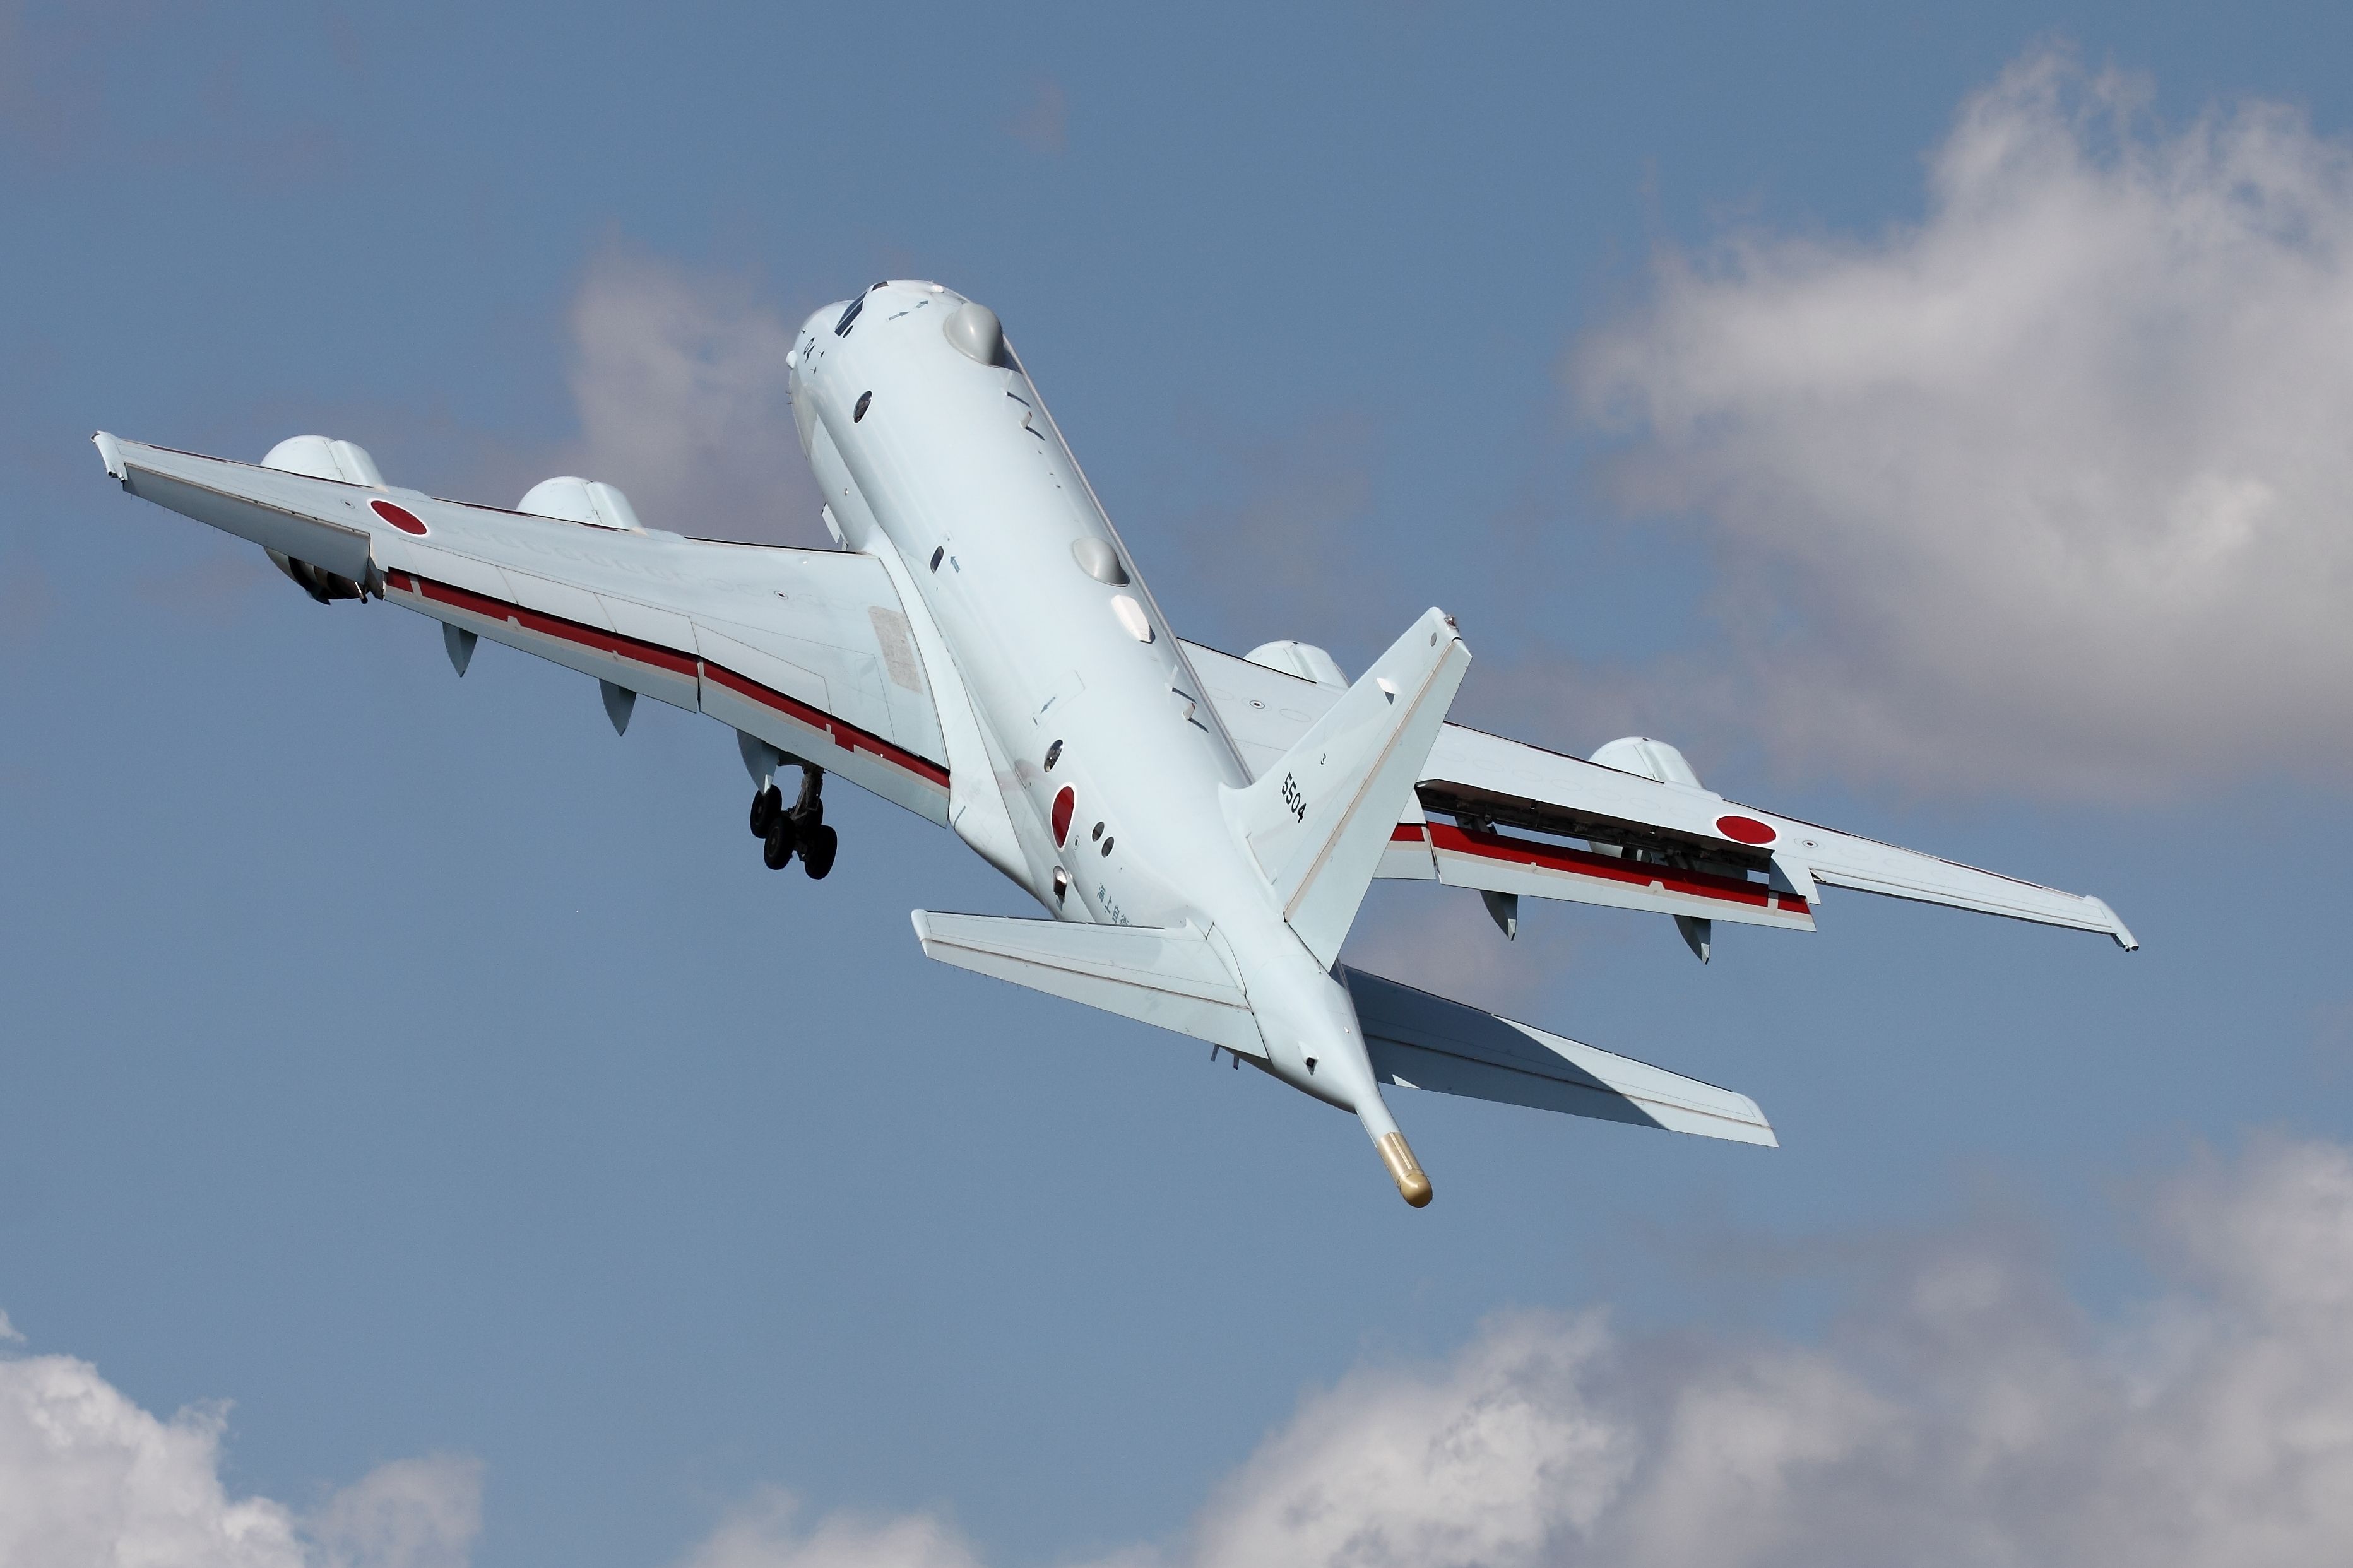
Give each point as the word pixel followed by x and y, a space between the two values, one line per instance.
pixel 849 316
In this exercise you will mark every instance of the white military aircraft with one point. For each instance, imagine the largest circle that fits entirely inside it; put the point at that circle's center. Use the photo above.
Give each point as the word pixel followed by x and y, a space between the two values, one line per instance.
pixel 983 651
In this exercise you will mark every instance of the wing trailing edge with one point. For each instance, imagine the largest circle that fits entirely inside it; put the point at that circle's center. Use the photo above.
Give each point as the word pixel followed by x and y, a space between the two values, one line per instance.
pixel 1629 829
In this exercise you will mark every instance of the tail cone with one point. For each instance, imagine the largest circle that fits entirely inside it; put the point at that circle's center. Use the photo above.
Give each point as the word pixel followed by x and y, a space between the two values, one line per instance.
pixel 1412 1184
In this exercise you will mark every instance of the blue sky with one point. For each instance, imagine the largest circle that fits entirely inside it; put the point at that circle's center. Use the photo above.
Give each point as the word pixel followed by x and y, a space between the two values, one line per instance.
pixel 1915 417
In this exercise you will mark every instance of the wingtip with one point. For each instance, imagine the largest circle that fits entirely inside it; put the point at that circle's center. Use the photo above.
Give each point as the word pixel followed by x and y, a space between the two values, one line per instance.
pixel 2116 928
pixel 110 451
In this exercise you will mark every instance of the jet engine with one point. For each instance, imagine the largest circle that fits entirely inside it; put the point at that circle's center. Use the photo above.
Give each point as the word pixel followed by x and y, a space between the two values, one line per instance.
pixel 576 499
pixel 322 458
pixel 1303 659
pixel 1651 758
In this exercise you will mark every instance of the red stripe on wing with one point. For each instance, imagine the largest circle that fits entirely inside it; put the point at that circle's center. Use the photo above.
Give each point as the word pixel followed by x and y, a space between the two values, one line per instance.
pixel 1603 867
pixel 843 733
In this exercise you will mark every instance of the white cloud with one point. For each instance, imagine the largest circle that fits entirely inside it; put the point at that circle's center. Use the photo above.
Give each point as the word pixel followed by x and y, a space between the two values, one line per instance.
pixel 2050 489
pixel 87 1476
pixel 681 387
pixel 1484 1460
pixel 1964 1411
pixel 766 1533
pixel 409 1513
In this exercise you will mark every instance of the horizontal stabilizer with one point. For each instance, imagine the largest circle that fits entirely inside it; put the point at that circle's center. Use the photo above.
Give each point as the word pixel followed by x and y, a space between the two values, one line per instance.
pixel 1417 1040
pixel 1171 977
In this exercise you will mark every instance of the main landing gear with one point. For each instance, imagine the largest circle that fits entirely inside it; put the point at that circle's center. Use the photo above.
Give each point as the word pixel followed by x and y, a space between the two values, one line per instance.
pixel 801 829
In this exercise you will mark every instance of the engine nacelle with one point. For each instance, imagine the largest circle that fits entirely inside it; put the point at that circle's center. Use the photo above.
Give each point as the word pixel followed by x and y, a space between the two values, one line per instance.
pixel 1651 758
pixel 576 499
pixel 1300 659
pixel 322 458
pixel 322 585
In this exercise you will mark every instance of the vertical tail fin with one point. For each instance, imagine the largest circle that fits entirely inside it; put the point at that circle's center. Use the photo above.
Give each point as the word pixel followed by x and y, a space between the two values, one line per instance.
pixel 1318 820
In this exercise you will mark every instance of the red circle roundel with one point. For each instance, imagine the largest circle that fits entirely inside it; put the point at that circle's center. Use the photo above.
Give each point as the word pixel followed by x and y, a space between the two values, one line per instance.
pixel 1065 802
pixel 400 517
pixel 1745 829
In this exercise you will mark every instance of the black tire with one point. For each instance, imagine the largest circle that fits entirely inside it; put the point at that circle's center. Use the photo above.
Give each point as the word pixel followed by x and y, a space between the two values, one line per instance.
pixel 817 847
pixel 778 851
pixel 766 806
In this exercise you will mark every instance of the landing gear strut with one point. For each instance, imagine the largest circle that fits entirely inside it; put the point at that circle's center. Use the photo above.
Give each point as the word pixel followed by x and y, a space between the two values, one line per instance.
pixel 801 827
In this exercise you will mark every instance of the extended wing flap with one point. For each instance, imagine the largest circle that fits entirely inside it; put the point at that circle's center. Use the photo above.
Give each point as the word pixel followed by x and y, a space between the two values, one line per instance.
pixel 1417 1040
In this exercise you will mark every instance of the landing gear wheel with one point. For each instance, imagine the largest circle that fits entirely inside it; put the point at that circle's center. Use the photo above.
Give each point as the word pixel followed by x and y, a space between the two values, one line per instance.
pixel 767 806
pixel 817 846
pixel 777 852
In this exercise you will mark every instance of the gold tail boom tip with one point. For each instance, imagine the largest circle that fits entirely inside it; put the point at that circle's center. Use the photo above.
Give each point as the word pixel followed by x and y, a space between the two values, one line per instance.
pixel 1412 1185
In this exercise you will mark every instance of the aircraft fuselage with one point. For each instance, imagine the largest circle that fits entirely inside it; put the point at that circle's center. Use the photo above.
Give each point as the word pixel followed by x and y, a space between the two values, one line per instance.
pixel 938 453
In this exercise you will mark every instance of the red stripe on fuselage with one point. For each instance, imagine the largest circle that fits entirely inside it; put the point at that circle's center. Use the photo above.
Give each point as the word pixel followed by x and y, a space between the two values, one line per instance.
pixel 843 733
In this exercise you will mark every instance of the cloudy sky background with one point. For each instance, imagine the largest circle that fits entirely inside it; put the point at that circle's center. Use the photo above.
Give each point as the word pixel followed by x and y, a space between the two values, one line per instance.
pixel 429 1137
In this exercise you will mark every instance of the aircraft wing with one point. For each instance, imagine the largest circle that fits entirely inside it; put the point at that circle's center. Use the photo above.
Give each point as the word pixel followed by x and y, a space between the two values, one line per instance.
pixel 1514 820
pixel 810 651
